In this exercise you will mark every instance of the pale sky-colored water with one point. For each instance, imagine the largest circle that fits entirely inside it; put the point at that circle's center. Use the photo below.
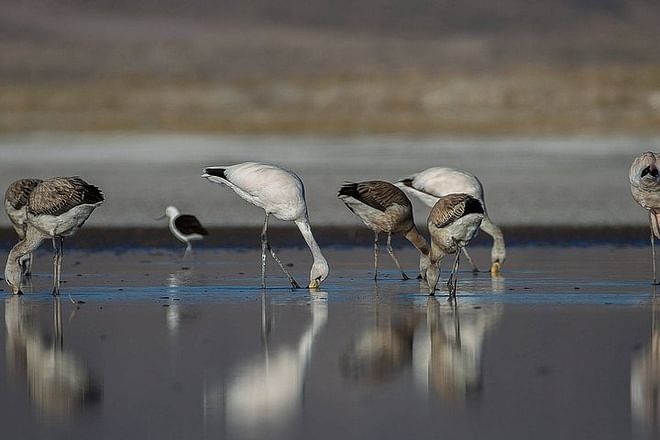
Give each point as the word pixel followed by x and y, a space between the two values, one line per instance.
pixel 530 181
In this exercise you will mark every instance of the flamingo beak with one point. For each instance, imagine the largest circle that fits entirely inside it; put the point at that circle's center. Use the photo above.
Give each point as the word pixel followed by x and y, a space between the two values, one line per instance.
pixel 161 217
pixel 314 284
pixel 495 268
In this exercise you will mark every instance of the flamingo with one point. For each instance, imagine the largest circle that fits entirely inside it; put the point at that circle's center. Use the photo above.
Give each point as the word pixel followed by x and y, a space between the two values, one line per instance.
pixel 453 222
pixel 16 200
pixel 645 187
pixel 433 183
pixel 57 208
pixel 383 207
pixel 281 193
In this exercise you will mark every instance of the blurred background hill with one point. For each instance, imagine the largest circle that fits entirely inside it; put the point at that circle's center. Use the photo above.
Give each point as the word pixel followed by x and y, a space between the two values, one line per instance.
pixel 323 66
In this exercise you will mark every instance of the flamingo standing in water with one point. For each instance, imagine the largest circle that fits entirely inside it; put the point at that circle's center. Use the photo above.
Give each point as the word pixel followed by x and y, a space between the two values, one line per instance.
pixel 453 222
pixel 16 200
pixel 280 193
pixel 645 187
pixel 57 208
pixel 431 184
pixel 383 207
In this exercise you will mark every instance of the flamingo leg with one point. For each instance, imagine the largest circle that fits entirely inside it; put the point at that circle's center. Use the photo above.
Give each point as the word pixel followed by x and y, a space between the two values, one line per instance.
pixel 57 264
pixel 375 255
pixel 475 269
pixel 390 250
pixel 264 240
pixel 453 277
pixel 263 253
pixel 655 279
pixel 28 265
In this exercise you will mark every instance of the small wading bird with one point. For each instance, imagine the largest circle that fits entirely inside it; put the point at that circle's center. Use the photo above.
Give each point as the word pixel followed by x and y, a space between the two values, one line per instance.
pixel 453 222
pixel 645 188
pixel 57 208
pixel 184 227
pixel 16 200
pixel 281 193
pixel 433 183
pixel 383 207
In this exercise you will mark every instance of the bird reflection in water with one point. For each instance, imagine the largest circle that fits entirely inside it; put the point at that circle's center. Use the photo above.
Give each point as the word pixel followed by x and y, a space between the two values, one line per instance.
pixel 444 350
pixel 382 350
pixel 448 354
pixel 265 394
pixel 645 381
pixel 58 384
pixel 183 277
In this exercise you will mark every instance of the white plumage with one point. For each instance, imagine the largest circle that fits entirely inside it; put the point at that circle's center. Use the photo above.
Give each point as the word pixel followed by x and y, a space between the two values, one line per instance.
pixel 431 184
pixel 278 192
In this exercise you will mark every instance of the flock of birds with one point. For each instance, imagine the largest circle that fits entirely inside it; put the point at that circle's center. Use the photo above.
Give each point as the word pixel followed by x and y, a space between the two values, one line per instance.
pixel 56 208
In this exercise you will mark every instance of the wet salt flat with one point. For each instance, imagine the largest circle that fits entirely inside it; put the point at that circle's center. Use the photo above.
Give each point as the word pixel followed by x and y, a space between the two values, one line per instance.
pixel 562 345
pixel 528 181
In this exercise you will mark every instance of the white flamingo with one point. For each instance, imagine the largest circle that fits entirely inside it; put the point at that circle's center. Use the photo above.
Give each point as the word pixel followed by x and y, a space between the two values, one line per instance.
pixel 57 208
pixel 431 184
pixel 645 187
pixel 281 193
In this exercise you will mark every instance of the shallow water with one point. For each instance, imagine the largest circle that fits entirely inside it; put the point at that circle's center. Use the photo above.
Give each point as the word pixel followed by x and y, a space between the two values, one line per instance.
pixel 562 345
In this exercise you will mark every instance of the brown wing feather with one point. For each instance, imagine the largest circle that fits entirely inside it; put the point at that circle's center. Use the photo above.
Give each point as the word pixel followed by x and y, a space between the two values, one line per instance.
pixel 452 207
pixel 188 224
pixel 18 193
pixel 58 195
pixel 375 193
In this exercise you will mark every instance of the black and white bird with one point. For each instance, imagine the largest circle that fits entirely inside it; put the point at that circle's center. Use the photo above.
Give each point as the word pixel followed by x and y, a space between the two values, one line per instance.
pixel 278 192
pixel 57 208
pixel 184 227
pixel 453 222
pixel 383 207
pixel 16 201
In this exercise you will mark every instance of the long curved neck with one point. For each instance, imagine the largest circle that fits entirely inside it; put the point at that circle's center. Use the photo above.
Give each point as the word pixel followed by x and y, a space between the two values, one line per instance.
pixel 306 232
pixel 31 241
pixel 494 231
pixel 417 240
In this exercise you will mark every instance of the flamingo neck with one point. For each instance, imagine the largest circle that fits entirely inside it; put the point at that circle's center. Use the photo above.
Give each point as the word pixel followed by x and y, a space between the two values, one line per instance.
pixel 494 231
pixel 306 232
pixel 417 240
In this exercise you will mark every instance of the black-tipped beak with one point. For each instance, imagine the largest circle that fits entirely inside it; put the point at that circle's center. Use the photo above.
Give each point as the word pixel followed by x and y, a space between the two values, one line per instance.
pixel 20 292
pixel 651 170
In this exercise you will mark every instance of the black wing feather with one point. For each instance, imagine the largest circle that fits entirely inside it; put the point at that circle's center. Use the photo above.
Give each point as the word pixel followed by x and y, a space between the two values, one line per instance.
pixel 188 224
